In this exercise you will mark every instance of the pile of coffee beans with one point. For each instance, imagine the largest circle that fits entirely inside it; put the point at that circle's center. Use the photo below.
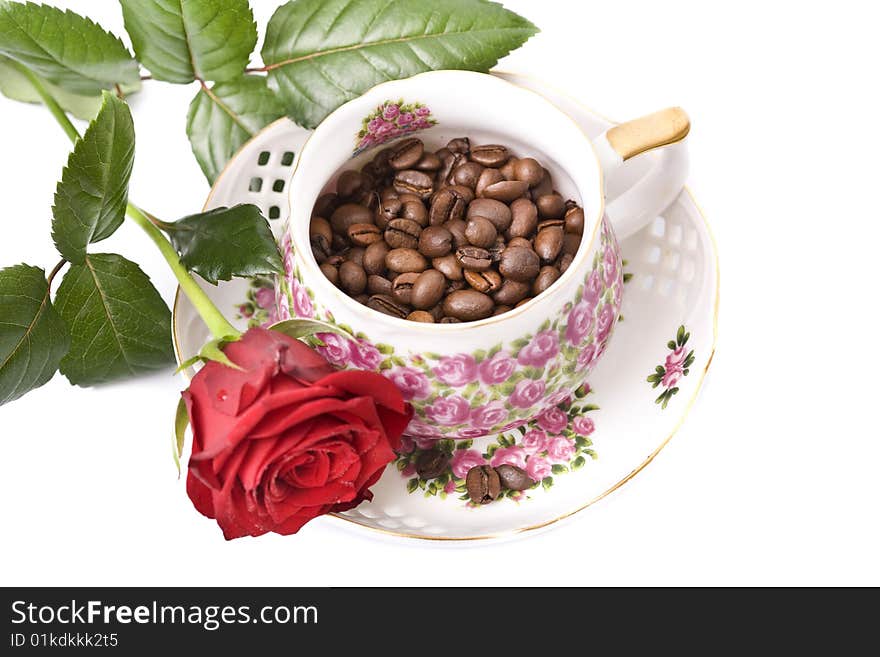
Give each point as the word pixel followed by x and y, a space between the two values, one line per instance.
pixel 455 235
pixel 484 483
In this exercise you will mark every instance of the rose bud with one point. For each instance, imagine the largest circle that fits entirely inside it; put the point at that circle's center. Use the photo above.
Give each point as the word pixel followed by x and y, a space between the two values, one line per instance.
pixel 288 437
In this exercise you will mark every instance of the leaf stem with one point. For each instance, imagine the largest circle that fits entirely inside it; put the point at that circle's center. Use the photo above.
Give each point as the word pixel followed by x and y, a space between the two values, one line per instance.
pixel 49 101
pixel 54 272
pixel 217 323
pixel 211 315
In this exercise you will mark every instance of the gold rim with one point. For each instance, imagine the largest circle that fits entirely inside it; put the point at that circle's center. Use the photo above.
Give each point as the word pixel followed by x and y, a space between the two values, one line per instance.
pixel 616 485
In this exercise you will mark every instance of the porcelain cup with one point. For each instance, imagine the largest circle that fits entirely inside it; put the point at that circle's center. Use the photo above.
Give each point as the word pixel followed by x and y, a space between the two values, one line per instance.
pixel 471 379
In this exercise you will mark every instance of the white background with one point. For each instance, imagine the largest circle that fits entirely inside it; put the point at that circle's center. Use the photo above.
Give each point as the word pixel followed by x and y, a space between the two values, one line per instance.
pixel 772 480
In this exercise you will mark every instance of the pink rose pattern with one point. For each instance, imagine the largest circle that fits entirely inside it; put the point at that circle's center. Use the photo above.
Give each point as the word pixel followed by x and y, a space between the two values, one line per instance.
pixel 390 120
pixel 553 443
pixel 495 390
pixel 677 365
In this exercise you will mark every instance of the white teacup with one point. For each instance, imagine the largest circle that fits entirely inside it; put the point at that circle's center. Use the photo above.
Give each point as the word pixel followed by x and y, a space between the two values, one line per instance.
pixel 471 379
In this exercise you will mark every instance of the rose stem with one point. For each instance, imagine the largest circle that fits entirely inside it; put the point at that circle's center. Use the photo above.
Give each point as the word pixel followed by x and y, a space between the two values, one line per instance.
pixel 217 323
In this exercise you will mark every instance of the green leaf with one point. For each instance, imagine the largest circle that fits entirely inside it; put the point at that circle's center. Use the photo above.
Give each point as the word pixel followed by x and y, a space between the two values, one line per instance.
pixel 679 336
pixel 558 468
pixel 181 421
pixel 226 242
pixel 213 350
pixel 412 484
pixel 183 40
pixel 671 344
pixel 300 328
pixel 118 322
pixel 16 86
pixel 90 200
pixel 33 338
pixel 65 49
pixel 222 118
pixel 322 53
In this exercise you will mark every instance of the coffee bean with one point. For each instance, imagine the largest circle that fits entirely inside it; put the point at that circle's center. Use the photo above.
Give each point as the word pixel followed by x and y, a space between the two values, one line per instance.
pixel 474 258
pixel 421 316
pixel 386 211
pixel 374 257
pixel 331 273
pixel 447 205
pixel 346 215
pixel 364 234
pixel 458 229
pixel 402 234
pixel 512 292
pixel 321 238
pixel 428 289
pixel 544 187
pixel 402 286
pixel 378 167
pixel 325 205
pixel 453 162
pixel 494 211
pixel 487 178
pixel 356 255
pixel 550 223
pixel 508 169
pixel 513 477
pixel 548 243
pixel 379 285
pixel 483 484
pixel 490 155
pixel 454 286
pixel 523 302
pixel 565 262
pixel 480 232
pixel 506 190
pixel 519 264
pixel 525 218
pixel 550 206
pixel 467 174
pixel 449 266
pixel 403 260
pixel 335 260
pixel 415 211
pixel 574 220
pixel 520 241
pixel 500 310
pixel 436 312
pixel 546 277
pixel 449 162
pixel 429 162
pixel 484 281
pixel 435 241
pixel 497 249
pixel 406 197
pixel 466 193
pixel 362 298
pixel 406 154
pixel 459 145
pixel 442 153
pixel 528 170
pixel 339 243
pixel 352 277
pixel 450 320
pixel 351 183
pixel 571 243
pixel 385 304
pixel 414 182
pixel 468 305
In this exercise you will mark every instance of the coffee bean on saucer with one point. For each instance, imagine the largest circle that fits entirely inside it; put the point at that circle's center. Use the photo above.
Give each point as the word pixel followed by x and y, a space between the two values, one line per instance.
pixel 432 463
pixel 352 277
pixel 406 154
pixel 435 241
pixel 513 477
pixel 385 304
pixel 427 290
pixel 483 484
pixel 468 305
pixel 519 264
pixel 421 316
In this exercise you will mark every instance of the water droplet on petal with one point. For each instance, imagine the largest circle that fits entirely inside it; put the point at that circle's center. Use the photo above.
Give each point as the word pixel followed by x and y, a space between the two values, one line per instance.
pixel 222 395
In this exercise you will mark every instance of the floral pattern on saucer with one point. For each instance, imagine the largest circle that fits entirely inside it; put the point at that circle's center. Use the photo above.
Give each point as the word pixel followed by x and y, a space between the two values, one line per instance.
pixel 258 307
pixel 486 391
pixel 677 365
pixel 556 442
pixel 392 119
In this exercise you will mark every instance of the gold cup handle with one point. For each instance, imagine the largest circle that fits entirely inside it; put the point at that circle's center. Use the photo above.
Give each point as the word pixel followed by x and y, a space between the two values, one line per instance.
pixel 648 190
pixel 661 128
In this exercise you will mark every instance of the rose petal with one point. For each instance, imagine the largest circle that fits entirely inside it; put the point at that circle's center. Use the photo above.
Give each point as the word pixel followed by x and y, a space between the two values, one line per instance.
pixel 367 384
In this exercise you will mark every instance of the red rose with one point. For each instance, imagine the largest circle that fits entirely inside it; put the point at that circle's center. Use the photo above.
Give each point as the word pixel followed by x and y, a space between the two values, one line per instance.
pixel 288 437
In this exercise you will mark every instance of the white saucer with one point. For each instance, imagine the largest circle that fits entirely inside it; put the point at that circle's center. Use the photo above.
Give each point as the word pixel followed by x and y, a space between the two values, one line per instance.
pixel 674 283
